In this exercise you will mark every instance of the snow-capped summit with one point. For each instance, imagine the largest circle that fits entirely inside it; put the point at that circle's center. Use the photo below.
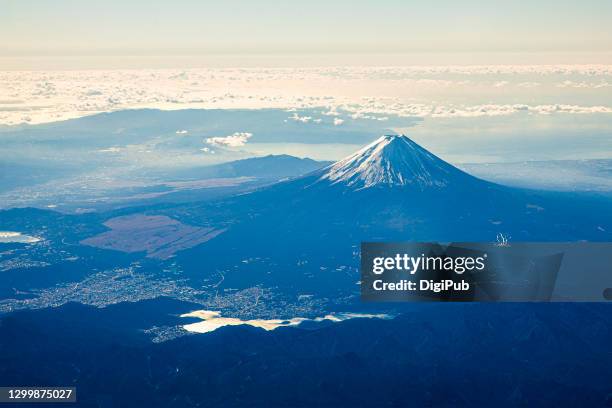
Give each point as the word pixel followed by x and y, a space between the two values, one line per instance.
pixel 393 160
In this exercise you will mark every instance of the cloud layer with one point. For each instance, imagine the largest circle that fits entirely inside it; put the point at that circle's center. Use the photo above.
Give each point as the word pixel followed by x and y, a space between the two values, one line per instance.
pixel 425 91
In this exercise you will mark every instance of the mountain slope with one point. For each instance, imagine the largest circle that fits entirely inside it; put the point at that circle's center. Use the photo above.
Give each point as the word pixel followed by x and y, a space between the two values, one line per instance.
pixel 395 189
pixel 271 167
pixel 304 234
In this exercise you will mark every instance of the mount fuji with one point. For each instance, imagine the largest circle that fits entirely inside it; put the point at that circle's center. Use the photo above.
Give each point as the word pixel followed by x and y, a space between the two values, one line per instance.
pixel 394 160
pixel 391 190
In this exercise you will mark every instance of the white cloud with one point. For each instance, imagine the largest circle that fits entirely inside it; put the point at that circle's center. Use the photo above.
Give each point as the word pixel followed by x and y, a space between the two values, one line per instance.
pixel 331 112
pixel 499 110
pixel 181 132
pixel 113 149
pixel 528 84
pixel 298 118
pixel 236 140
pixel 584 84
pixel 338 121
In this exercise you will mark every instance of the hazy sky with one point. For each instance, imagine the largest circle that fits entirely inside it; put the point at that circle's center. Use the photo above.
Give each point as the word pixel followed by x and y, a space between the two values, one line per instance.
pixel 170 28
